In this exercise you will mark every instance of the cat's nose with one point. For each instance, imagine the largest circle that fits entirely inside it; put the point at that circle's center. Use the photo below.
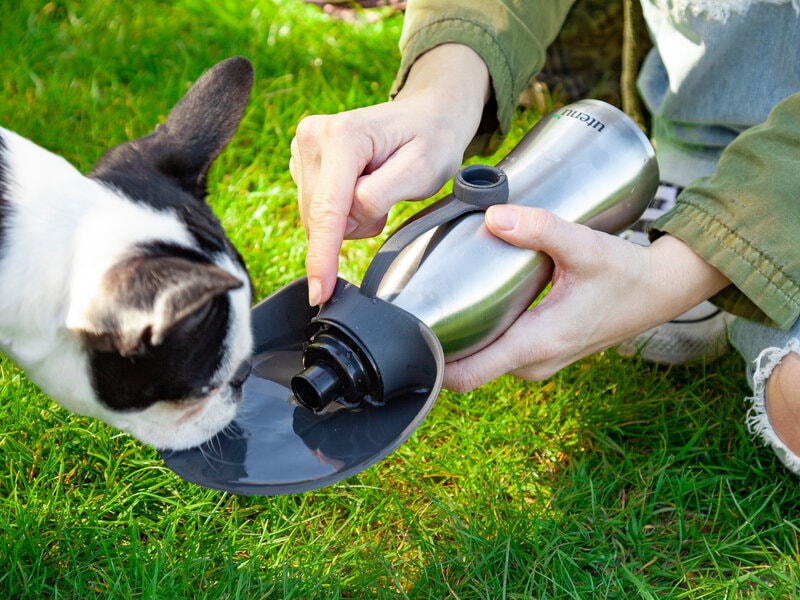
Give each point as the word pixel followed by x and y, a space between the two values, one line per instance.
pixel 241 374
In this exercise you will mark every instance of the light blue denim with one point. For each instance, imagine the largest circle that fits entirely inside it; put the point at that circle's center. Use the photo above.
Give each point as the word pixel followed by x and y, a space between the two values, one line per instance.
pixel 717 68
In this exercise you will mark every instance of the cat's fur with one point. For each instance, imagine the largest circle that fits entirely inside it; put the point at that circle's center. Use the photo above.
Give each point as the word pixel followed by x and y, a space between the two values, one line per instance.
pixel 120 295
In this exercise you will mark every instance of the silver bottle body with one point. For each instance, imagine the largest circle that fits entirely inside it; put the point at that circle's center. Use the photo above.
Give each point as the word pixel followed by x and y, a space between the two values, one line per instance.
pixel 587 163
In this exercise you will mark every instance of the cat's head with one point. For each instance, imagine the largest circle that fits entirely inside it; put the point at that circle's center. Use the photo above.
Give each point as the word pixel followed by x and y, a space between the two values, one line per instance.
pixel 166 327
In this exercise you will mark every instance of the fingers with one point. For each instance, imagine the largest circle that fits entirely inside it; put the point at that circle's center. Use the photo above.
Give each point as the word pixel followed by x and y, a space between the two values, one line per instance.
pixel 524 350
pixel 537 229
pixel 410 173
pixel 531 348
pixel 604 290
pixel 561 327
pixel 350 169
pixel 325 165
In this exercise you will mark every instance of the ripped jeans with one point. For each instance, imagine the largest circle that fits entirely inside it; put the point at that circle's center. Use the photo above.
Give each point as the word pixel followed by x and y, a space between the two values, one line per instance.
pixel 763 347
pixel 723 67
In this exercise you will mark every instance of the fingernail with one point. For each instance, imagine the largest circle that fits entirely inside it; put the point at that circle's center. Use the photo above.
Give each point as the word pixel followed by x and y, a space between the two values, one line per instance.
pixel 502 217
pixel 314 292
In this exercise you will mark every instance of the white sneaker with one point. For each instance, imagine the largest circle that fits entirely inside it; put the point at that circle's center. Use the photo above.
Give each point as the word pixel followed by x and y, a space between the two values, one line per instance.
pixel 698 334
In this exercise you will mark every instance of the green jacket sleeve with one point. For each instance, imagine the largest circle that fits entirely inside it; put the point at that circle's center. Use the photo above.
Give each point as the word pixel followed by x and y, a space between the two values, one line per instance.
pixel 510 35
pixel 745 219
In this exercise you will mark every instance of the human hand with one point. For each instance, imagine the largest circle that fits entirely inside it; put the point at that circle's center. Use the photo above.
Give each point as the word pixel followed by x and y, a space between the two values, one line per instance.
pixel 351 168
pixel 604 291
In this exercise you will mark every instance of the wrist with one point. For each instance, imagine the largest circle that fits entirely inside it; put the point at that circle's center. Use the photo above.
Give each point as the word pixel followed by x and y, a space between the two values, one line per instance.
pixel 438 78
pixel 681 277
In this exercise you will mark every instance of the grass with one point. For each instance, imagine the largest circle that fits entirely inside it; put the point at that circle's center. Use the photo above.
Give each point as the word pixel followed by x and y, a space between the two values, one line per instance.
pixel 613 479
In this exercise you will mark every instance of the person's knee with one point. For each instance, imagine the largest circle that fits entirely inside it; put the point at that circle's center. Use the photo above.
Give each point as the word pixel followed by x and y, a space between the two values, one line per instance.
pixel 782 397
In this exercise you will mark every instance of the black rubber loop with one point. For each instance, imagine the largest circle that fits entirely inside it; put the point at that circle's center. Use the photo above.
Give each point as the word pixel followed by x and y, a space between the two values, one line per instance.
pixel 475 188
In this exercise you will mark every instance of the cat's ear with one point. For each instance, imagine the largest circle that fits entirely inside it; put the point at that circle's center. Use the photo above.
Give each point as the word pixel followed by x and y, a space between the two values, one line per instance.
pixel 142 299
pixel 200 126
pixel 196 130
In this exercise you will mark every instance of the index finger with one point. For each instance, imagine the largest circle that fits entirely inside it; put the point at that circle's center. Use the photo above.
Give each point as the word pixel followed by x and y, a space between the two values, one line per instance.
pixel 326 216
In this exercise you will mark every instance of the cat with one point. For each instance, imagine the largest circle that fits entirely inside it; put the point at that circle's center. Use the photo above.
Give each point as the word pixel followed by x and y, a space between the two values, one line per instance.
pixel 120 295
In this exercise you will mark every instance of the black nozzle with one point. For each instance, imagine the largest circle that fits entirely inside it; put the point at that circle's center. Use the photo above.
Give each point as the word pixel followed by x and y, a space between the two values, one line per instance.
pixel 336 370
pixel 363 350
pixel 316 387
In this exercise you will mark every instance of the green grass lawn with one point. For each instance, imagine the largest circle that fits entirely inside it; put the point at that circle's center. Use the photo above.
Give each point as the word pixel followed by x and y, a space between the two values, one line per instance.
pixel 613 479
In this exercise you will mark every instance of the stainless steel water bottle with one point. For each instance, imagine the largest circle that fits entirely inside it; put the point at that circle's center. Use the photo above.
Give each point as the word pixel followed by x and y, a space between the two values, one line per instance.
pixel 587 163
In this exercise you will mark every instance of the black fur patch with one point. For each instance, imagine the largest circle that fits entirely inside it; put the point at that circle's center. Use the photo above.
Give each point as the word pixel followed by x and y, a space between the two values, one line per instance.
pixel 177 369
pixel 166 170
pixel 180 366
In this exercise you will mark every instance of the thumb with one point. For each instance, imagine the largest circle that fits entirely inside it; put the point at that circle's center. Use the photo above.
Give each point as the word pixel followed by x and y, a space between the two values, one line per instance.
pixel 531 228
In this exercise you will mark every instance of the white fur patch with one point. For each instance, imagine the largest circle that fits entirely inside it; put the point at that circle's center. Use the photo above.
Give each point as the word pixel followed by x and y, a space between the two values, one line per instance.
pixel 63 232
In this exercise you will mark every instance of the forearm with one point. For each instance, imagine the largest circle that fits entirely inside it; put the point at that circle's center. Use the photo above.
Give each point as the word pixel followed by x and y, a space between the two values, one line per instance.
pixel 510 37
pixel 677 279
pixel 435 85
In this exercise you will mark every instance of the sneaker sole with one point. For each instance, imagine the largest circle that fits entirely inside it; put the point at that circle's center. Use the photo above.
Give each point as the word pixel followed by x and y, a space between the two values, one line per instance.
pixel 681 342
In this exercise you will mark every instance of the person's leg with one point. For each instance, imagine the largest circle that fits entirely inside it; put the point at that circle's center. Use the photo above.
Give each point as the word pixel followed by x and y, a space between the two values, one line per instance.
pixel 773 371
pixel 782 395
pixel 705 68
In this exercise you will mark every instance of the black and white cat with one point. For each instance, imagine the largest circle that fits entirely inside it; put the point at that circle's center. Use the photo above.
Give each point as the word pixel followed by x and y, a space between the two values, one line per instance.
pixel 120 295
